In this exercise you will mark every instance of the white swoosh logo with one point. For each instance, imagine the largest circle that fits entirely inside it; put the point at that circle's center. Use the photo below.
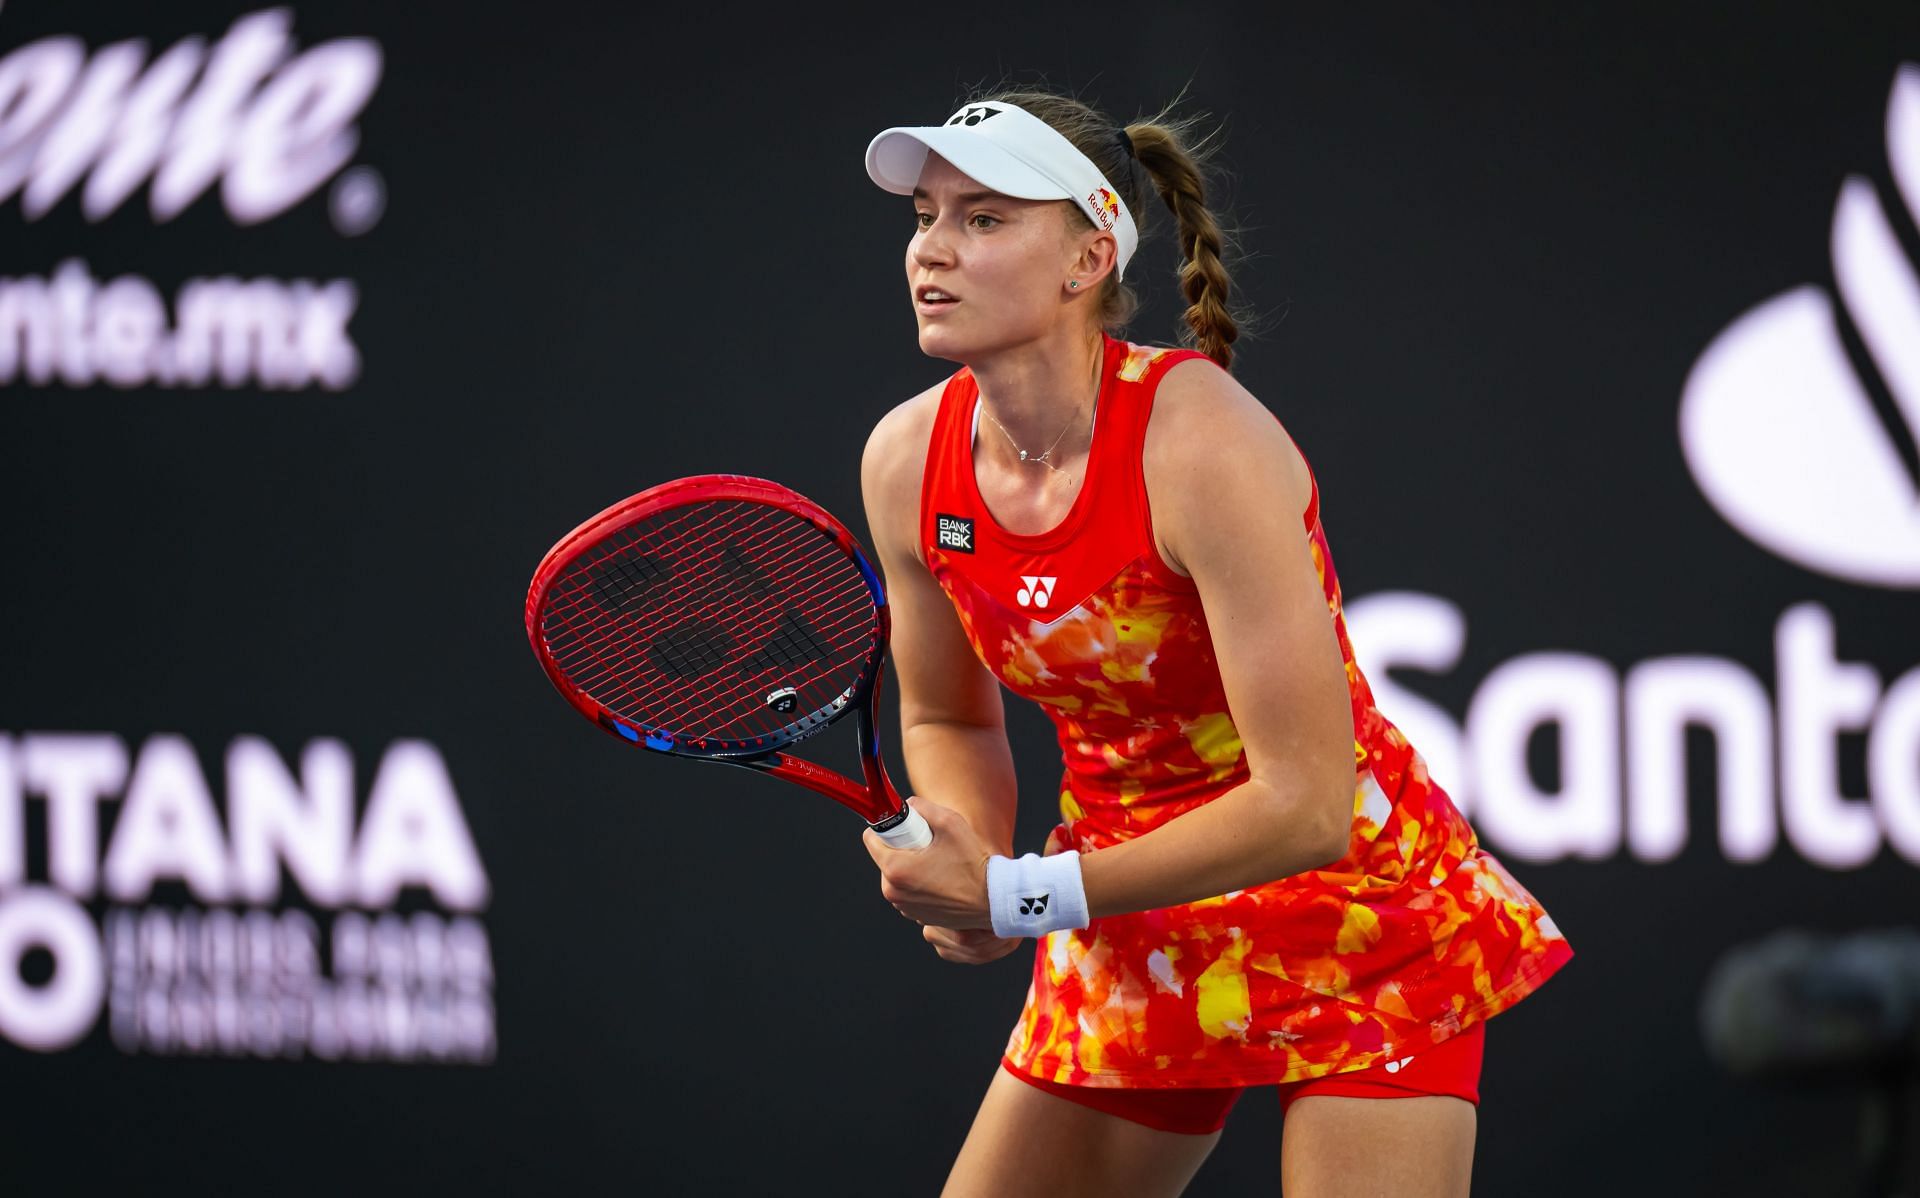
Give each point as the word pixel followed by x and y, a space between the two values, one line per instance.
pixel 1778 429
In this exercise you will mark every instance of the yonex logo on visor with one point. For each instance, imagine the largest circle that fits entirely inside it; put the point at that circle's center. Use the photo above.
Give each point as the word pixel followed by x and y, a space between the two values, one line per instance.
pixel 1005 148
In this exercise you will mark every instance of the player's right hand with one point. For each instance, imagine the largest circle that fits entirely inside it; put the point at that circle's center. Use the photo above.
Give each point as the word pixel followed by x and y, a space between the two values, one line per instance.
pixel 968 946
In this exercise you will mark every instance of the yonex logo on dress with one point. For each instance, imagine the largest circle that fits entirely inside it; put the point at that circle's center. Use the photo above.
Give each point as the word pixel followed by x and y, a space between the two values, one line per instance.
pixel 1035 904
pixel 973 115
pixel 1035 590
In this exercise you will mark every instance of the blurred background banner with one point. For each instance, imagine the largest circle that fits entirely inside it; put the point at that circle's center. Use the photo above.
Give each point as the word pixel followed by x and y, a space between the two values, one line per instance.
pixel 320 324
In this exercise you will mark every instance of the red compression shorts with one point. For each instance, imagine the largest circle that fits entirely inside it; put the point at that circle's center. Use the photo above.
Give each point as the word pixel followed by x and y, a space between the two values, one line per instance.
pixel 1450 1068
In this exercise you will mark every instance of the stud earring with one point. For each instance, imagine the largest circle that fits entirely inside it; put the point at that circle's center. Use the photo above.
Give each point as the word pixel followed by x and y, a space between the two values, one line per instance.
pixel 1074 283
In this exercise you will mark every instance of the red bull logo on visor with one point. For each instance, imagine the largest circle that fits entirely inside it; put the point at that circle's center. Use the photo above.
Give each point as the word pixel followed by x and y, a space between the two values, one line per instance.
pixel 1105 205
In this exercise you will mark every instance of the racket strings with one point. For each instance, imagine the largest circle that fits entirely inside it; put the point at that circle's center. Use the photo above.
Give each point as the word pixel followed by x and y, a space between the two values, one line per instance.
pixel 686 652
pixel 688 619
pixel 708 648
pixel 624 542
pixel 690 650
pixel 740 709
pixel 820 663
pixel 621 583
pixel 618 559
pixel 793 643
pixel 656 609
pixel 700 533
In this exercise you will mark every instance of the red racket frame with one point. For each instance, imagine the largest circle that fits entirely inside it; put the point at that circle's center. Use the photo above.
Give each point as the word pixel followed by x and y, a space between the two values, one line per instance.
pixel 876 800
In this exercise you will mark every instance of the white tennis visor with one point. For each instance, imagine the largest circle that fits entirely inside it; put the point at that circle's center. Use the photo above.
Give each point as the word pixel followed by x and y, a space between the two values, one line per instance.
pixel 1011 151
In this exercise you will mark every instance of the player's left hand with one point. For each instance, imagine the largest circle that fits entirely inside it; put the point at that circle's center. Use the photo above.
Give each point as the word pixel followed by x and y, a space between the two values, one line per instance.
pixel 944 884
pixel 968 946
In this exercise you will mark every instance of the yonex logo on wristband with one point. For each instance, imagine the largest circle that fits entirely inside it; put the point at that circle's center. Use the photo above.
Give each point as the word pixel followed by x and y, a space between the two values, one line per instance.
pixel 1020 908
pixel 956 533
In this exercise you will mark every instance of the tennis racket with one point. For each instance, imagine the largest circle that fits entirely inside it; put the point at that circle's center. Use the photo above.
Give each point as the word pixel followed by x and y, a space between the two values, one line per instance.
pixel 723 618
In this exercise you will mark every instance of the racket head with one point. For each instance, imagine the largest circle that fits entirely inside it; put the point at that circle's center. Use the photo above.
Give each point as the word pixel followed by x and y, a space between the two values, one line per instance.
pixel 718 616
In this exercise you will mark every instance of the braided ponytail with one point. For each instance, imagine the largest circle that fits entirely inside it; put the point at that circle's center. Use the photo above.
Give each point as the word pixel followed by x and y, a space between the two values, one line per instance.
pixel 1203 276
pixel 1171 154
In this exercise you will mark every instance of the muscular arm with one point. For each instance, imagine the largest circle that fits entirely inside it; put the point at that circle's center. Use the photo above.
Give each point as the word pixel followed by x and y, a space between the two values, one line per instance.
pixel 952 722
pixel 1227 491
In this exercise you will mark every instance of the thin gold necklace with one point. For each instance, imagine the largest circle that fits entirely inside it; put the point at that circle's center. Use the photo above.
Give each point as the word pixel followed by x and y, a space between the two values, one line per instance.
pixel 1045 456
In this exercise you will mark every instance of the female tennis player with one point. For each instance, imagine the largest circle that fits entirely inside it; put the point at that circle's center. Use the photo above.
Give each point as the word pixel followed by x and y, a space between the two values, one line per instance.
pixel 1254 882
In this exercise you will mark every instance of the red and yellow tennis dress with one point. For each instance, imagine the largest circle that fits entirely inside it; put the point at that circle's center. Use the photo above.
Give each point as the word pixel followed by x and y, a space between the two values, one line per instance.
pixel 1415 935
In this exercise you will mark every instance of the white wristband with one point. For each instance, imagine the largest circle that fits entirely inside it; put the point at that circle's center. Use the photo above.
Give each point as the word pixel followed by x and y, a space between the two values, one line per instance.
pixel 1035 895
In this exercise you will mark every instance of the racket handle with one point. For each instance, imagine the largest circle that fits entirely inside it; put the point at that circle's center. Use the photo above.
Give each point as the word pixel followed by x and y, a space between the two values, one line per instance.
pixel 910 833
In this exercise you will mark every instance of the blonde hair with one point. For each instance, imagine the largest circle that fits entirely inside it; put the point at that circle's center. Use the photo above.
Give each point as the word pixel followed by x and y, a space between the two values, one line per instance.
pixel 1173 154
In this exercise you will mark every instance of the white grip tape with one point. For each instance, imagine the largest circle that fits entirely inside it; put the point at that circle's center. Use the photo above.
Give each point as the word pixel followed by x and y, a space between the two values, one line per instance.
pixel 910 833
pixel 1035 895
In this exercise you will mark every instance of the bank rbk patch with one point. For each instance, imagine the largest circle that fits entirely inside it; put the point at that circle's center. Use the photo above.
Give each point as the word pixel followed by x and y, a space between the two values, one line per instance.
pixel 955 533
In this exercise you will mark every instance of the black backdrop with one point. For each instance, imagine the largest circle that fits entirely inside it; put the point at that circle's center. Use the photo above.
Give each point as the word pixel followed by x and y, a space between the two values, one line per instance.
pixel 617 248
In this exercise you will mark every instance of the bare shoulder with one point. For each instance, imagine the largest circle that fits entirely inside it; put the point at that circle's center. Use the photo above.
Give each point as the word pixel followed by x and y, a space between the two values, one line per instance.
pixel 1202 414
pixel 893 464
pixel 1212 447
